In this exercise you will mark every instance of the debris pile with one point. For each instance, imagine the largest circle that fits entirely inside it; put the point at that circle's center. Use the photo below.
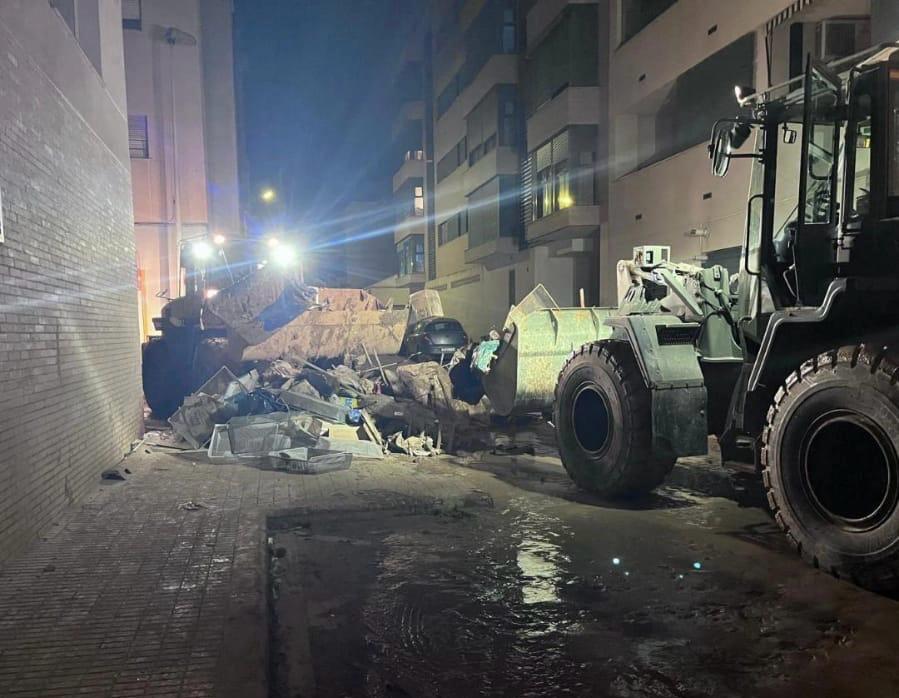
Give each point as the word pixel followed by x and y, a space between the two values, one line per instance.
pixel 300 417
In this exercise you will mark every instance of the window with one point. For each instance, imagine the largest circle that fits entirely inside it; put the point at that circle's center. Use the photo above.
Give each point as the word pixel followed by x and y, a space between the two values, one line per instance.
pixel 861 186
pixel 510 33
pixel 449 162
pixel 418 207
pixel 842 36
pixel 508 114
pixel 893 148
pixel 493 31
pixel 446 98
pixel 132 14
pixel 138 138
pixel 553 183
pixel 453 227
pixel 494 211
pixel 559 174
pixel 83 18
pixel 444 326
pixel 410 254
pixel 493 122
pixel 636 14
pixel 568 56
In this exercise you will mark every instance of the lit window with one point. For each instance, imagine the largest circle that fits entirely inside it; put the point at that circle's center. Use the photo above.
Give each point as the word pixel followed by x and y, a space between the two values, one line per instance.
pixel 553 191
pixel 419 206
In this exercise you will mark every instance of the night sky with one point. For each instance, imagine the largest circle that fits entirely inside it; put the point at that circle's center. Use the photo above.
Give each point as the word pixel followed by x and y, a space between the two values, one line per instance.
pixel 316 88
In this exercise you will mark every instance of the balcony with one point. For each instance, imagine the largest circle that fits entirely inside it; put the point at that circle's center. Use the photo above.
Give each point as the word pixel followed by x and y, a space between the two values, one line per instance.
pixel 499 161
pixel 414 281
pixel 567 224
pixel 543 16
pixel 493 253
pixel 410 224
pixel 574 106
pixel 501 69
pixel 409 112
pixel 413 167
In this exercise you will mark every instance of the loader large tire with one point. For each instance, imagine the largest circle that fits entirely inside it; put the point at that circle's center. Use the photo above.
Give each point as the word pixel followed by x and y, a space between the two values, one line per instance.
pixel 162 378
pixel 604 425
pixel 830 464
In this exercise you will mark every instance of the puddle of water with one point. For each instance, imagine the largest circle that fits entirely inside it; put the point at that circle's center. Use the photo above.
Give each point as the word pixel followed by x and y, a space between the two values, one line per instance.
pixel 519 603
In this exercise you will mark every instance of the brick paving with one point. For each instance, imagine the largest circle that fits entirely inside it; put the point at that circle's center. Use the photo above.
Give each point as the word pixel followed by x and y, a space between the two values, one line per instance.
pixel 131 594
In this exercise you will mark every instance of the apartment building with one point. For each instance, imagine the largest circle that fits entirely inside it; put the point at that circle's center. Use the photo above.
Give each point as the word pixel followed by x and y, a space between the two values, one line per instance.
pixel 673 68
pixel 182 135
pixel 68 340
pixel 518 153
pixel 412 181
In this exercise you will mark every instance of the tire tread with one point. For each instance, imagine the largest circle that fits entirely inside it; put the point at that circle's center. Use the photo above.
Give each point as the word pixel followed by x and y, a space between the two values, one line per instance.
pixel 877 361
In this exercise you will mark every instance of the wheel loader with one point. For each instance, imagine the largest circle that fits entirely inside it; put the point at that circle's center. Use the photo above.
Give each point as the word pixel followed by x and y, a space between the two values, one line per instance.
pixel 793 364
pixel 268 313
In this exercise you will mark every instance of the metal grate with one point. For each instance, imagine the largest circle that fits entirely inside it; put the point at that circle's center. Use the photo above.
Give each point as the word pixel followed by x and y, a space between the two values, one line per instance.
pixel 676 334
pixel 138 137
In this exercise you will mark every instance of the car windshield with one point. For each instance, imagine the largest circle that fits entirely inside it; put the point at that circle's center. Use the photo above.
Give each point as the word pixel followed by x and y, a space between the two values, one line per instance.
pixel 445 326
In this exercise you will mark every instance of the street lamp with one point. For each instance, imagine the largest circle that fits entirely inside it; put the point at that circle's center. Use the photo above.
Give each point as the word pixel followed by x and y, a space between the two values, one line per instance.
pixel 268 195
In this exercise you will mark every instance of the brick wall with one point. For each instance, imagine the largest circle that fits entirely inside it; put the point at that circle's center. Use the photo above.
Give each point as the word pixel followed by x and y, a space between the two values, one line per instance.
pixel 69 347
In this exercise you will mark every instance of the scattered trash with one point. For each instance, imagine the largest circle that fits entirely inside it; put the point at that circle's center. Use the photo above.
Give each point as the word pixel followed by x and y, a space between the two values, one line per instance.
pixel 191 505
pixel 309 462
pixel 413 445
pixel 111 475
pixel 196 418
pixel 220 443
pixel 320 408
pixel 519 444
pixel 258 434
pixel 304 417
pixel 363 449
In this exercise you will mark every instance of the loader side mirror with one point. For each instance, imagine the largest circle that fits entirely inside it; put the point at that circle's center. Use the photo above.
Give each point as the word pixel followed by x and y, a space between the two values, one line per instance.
pixel 720 149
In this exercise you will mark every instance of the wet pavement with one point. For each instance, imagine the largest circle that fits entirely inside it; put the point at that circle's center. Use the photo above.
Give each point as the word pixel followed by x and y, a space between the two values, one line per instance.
pixel 479 575
pixel 525 586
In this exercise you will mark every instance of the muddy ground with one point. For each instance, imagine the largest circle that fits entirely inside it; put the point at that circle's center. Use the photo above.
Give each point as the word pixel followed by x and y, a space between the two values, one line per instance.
pixel 527 587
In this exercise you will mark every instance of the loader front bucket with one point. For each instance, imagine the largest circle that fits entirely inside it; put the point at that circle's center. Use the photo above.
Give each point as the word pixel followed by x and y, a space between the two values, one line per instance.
pixel 537 341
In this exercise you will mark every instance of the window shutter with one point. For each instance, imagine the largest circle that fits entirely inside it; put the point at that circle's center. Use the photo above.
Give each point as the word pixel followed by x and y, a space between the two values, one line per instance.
pixel 527 190
pixel 138 137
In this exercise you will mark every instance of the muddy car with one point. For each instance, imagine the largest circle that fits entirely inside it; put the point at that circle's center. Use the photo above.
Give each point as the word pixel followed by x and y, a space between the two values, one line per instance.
pixel 436 338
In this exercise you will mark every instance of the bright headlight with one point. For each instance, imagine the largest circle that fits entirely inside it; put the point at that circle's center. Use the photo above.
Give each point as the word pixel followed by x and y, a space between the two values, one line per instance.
pixel 201 250
pixel 284 255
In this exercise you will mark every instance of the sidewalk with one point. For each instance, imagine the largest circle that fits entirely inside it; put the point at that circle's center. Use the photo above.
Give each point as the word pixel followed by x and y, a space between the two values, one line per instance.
pixel 134 594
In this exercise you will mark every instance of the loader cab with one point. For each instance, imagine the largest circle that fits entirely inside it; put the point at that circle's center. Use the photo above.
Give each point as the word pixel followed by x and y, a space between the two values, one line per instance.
pixel 824 188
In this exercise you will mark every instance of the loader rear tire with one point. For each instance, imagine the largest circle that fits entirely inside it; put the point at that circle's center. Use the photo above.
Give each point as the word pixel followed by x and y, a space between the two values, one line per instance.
pixel 830 459
pixel 162 378
pixel 604 425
